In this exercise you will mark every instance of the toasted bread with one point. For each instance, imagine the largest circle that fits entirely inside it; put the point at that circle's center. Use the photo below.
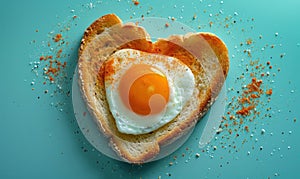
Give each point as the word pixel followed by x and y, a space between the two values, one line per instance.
pixel 204 53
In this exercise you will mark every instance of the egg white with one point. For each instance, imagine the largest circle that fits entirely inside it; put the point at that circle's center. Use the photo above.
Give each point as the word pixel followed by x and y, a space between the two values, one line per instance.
pixel 180 80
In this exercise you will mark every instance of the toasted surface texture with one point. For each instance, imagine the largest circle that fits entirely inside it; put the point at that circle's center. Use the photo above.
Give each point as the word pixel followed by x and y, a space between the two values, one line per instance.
pixel 204 53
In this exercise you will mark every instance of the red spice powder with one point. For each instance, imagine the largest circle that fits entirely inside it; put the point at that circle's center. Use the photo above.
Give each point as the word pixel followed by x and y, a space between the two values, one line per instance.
pixel 64 65
pixel 252 92
pixel 45 57
pixel 249 42
pixel 136 3
pixel 254 96
pixel 245 100
pixel 57 37
pixel 58 54
pixel 269 92
pixel 54 69
pixel 254 86
pixel 246 128
pixel 245 110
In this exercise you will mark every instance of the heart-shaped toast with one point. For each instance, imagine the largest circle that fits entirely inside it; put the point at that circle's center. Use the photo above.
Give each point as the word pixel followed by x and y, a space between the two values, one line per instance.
pixel 203 53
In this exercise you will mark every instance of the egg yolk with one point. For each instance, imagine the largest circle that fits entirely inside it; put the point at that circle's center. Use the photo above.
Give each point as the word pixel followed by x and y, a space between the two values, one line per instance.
pixel 144 90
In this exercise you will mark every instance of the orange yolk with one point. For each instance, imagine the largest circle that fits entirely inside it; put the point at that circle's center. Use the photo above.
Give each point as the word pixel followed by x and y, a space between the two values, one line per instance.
pixel 144 89
pixel 148 94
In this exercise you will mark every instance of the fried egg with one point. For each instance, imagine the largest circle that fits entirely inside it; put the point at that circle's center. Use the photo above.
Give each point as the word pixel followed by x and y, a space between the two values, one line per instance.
pixel 144 90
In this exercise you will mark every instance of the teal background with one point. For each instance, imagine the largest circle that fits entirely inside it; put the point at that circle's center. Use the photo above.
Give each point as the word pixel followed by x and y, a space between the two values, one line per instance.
pixel 40 140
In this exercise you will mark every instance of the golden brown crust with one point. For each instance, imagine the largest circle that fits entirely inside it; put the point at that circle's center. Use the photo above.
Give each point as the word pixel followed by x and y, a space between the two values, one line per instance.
pixel 220 50
pixel 97 27
pixel 92 57
pixel 121 146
